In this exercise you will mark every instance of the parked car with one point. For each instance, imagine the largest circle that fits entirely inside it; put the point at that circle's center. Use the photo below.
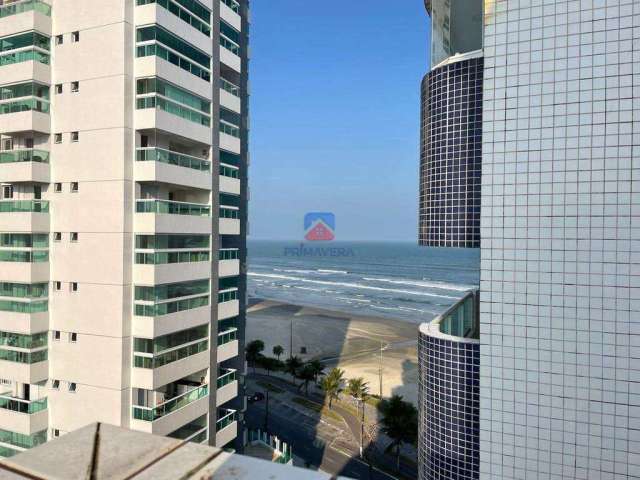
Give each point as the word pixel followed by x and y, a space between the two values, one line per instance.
pixel 256 397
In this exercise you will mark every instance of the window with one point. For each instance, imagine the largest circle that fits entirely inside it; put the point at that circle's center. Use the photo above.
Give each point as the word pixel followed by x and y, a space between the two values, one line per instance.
pixel 75 136
pixel 59 39
pixel 57 236
pixel 74 286
pixel 74 236
pixel 75 36
pixel 7 144
pixel 57 286
pixel 75 87
pixel 57 187
pixel 56 335
pixel 57 138
pixel 72 387
pixel 55 384
pixel 74 187
pixel 7 191
pixel 58 89
pixel 73 337
pixel 55 432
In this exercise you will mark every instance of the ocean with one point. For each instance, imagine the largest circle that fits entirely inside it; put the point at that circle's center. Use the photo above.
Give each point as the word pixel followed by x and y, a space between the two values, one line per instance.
pixel 391 280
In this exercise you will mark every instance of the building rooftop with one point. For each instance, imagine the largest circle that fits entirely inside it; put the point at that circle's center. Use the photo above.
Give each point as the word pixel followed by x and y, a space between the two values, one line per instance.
pixel 100 451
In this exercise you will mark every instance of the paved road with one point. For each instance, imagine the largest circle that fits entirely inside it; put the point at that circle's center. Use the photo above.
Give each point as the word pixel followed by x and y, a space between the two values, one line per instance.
pixel 353 423
pixel 306 444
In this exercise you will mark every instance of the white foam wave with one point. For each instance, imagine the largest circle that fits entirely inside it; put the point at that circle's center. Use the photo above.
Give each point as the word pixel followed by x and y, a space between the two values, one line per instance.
pixel 341 272
pixel 427 284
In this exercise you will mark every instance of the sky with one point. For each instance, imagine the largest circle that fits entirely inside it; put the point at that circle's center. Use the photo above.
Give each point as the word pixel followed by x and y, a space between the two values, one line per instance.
pixel 335 116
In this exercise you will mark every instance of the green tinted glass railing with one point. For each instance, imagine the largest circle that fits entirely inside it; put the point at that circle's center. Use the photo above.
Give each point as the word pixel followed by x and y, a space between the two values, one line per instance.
pixel 23 307
pixel 170 357
pixel 229 213
pixel 24 290
pixel 168 291
pixel 462 319
pixel 10 339
pixel 7 452
pixel 24 257
pixel 228 336
pixel 165 342
pixel 175 43
pixel 163 258
pixel 228 376
pixel 24 56
pixel 21 440
pixel 24 206
pixel 173 108
pixel 158 50
pixel 184 15
pixel 147 86
pixel 27 89
pixel 232 4
pixel 23 357
pixel 24 40
pixel 168 207
pixel 16 156
pixel 25 6
pixel 160 309
pixel 172 158
pixel 168 242
pixel 19 405
pixel 227 296
pixel 229 129
pixel 225 418
pixel 150 414
pixel 25 105
pixel 229 254
pixel 24 240
pixel 229 45
pixel 229 87
pixel 229 172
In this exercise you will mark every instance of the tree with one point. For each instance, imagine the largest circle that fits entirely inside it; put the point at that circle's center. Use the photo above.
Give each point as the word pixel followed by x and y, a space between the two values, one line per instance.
pixel 277 351
pixel 318 368
pixel 306 374
pixel 253 352
pixel 332 384
pixel 270 364
pixel 359 390
pixel 291 366
pixel 399 423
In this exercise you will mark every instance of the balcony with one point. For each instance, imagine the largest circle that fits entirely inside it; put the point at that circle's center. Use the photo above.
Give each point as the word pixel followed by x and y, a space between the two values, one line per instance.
pixel 24 16
pixel 228 268
pixel 227 386
pixel 23 266
pixel 25 417
pixel 173 413
pixel 24 166
pixel 230 96
pixel 170 266
pixel 150 327
pixel 160 165
pixel 167 216
pixel 26 366
pixel 226 427
pixel 154 112
pixel 24 215
pixel 230 54
pixel 30 114
pixel 228 309
pixel 228 183
pixel 227 345
pixel 229 220
pixel 230 13
pixel 229 138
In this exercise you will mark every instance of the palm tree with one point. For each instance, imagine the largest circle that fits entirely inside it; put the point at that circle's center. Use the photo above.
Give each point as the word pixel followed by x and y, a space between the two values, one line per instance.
pixel 270 364
pixel 306 374
pixel 359 390
pixel 253 352
pixel 277 351
pixel 318 368
pixel 399 423
pixel 332 384
pixel 291 366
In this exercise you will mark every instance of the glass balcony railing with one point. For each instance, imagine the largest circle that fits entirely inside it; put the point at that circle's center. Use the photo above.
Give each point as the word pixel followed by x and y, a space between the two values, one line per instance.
pixel 173 108
pixel 160 309
pixel 233 5
pixel 22 406
pixel 229 45
pixel 22 440
pixel 162 359
pixel 229 254
pixel 462 319
pixel 25 105
pixel 172 158
pixel 229 213
pixel 225 418
pixel 229 87
pixel 179 9
pixel 23 357
pixel 24 256
pixel 23 307
pixel 17 156
pixel 229 172
pixel 228 296
pixel 24 56
pixel 162 52
pixel 164 258
pixel 24 206
pixel 151 414
pixel 229 129
pixel 169 207
pixel 25 6
pixel 228 336
pixel 228 376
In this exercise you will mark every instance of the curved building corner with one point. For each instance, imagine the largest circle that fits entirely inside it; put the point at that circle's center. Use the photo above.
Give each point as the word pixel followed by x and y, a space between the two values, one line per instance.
pixel 449 394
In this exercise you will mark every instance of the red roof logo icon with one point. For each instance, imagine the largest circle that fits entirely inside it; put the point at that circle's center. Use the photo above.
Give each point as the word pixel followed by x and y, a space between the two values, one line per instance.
pixel 319 231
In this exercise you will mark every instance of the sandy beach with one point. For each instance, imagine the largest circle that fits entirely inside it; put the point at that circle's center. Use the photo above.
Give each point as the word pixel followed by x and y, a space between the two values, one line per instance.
pixel 350 342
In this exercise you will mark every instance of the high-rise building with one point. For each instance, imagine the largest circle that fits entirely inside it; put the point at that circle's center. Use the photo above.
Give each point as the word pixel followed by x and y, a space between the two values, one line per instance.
pixel 123 164
pixel 560 242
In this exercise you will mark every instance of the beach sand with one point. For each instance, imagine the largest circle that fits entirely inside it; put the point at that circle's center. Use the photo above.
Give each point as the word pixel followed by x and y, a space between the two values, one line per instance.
pixel 348 341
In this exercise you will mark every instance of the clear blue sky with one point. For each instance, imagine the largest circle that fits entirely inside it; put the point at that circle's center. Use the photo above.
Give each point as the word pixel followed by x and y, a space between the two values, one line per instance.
pixel 335 110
